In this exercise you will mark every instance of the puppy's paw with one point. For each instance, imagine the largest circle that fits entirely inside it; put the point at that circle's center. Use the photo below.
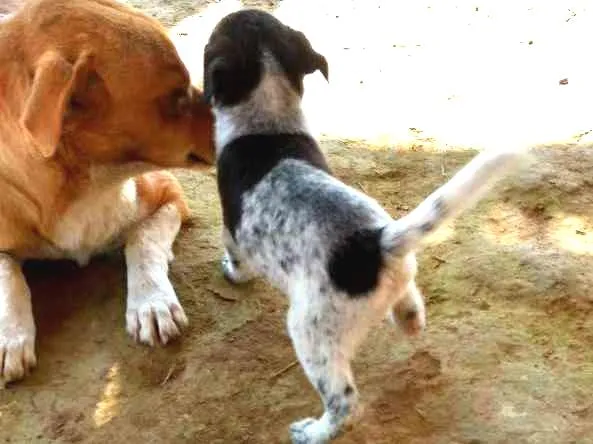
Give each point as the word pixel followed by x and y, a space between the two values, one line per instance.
pixel 17 350
pixel 309 431
pixel 233 270
pixel 155 315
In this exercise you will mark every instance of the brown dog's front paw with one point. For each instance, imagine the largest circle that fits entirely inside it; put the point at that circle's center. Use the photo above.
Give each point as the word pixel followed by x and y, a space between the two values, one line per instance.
pixel 154 314
pixel 17 352
pixel 156 322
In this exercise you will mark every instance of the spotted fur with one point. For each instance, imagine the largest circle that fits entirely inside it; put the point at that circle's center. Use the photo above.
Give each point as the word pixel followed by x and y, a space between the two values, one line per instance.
pixel 341 259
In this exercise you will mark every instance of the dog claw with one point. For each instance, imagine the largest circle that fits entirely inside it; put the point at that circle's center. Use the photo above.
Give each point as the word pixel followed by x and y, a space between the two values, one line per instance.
pixel 155 319
pixel 17 355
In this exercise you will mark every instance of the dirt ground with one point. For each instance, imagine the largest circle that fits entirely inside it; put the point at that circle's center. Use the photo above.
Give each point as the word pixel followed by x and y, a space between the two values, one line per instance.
pixel 508 353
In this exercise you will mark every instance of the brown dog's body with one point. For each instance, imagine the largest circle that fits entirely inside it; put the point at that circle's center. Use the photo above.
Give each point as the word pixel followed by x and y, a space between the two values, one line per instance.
pixel 93 96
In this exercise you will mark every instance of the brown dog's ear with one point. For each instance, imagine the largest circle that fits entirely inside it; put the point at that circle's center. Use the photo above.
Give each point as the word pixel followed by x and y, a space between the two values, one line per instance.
pixel 44 110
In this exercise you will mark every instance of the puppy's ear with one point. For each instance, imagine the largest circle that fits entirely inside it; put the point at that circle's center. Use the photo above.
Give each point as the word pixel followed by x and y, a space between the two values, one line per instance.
pixel 312 60
pixel 319 62
pixel 53 82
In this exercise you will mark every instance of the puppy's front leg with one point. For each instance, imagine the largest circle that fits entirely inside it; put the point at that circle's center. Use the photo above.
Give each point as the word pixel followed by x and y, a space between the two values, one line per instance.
pixel 17 328
pixel 235 268
pixel 154 313
pixel 324 347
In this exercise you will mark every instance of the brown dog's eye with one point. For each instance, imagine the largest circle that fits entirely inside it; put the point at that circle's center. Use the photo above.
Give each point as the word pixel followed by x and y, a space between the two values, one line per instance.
pixel 76 104
pixel 177 103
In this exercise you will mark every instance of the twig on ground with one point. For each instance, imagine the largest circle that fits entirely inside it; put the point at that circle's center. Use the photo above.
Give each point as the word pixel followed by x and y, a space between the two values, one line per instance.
pixel 439 260
pixel 583 410
pixel 284 370
pixel 168 376
pixel 420 413
pixel 219 295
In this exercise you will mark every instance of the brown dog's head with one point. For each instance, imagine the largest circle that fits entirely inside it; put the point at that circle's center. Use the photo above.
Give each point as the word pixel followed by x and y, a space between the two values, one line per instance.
pixel 105 83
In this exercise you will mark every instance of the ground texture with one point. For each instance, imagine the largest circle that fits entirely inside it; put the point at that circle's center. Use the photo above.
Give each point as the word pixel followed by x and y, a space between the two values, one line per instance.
pixel 508 353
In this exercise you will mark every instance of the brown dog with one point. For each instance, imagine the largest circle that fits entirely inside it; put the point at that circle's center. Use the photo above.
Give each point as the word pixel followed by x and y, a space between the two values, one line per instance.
pixel 93 96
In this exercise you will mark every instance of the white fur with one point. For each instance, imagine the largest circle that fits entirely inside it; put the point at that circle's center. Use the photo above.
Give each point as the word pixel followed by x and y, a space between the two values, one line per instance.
pixel 464 189
pixel 341 259
pixel 107 215
pixel 96 220
pixel 154 313
pixel 278 226
pixel 325 325
pixel 273 107
pixel 17 328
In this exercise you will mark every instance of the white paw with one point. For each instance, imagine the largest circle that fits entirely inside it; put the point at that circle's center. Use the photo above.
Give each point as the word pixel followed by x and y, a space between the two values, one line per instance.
pixel 309 431
pixel 17 350
pixel 155 314
pixel 233 271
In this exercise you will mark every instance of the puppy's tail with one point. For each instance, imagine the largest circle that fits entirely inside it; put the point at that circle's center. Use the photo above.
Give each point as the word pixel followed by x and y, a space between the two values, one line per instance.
pixel 464 189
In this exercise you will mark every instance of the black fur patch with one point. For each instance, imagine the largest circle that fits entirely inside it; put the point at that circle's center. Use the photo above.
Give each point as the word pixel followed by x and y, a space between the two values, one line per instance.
pixel 322 387
pixel 287 263
pixel 233 55
pixel 355 265
pixel 246 160
pixel 339 406
pixel 348 390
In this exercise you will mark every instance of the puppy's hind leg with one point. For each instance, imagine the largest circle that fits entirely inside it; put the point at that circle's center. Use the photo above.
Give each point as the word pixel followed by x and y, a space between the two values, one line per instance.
pixel 234 267
pixel 323 347
pixel 409 314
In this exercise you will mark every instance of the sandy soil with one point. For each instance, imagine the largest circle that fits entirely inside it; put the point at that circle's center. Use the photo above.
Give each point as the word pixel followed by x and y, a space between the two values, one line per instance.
pixel 508 354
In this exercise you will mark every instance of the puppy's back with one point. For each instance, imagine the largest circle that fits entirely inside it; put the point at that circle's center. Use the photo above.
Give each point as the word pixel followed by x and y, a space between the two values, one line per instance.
pixel 246 161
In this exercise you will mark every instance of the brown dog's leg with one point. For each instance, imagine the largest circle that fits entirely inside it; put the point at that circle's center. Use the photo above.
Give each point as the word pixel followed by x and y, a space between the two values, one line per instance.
pixel 17 328
pixel 154 313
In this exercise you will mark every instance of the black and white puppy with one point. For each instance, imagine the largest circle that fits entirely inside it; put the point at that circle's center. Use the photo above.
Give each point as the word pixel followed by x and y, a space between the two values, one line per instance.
pixel 341 259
